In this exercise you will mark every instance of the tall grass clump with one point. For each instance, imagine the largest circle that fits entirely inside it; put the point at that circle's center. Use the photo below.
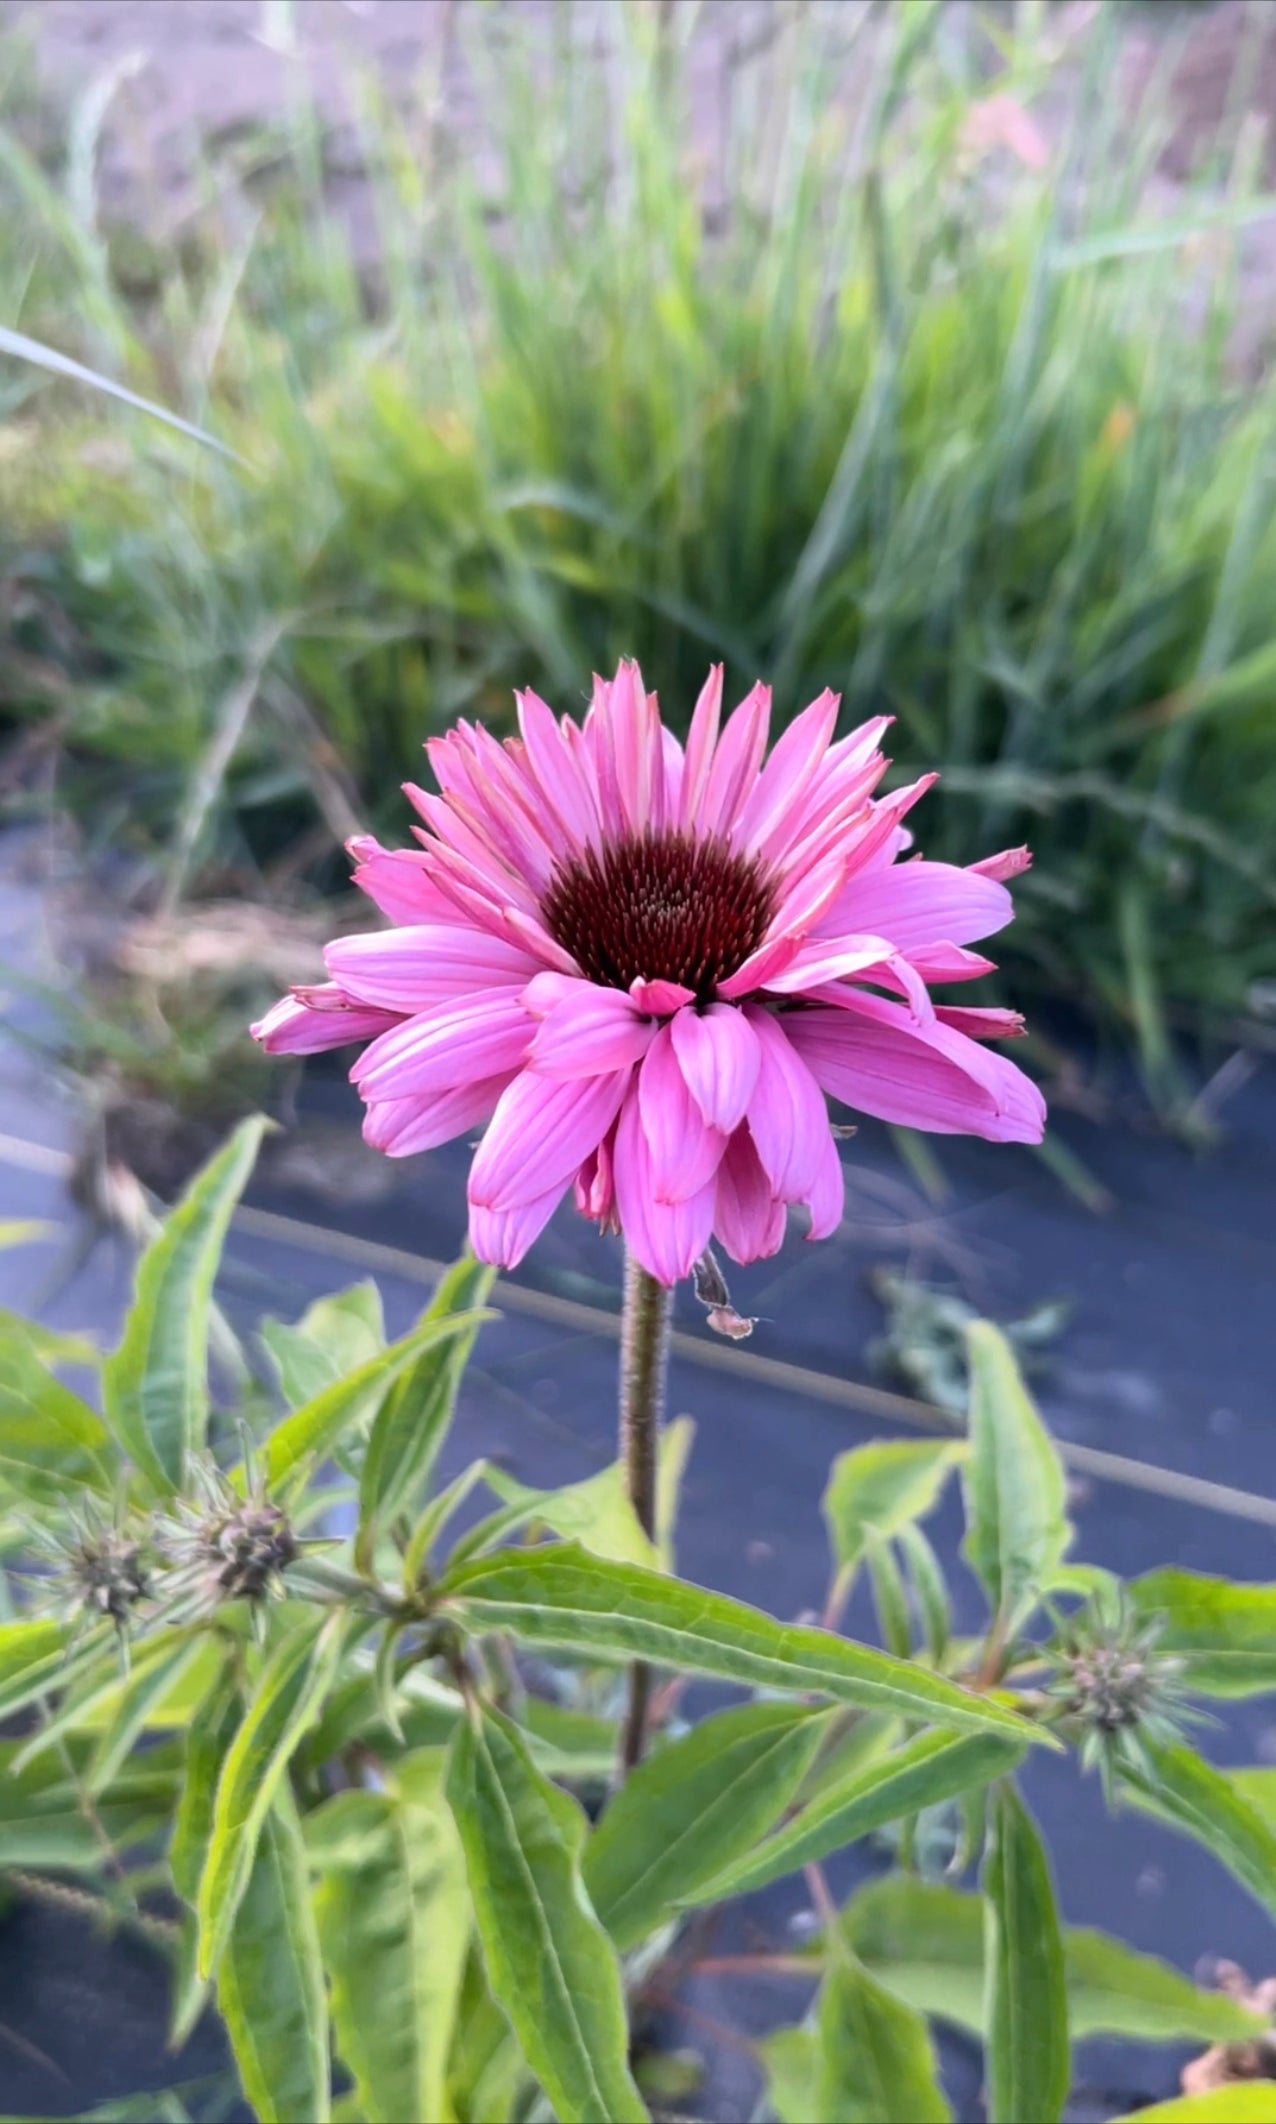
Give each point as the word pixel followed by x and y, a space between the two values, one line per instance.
pixel 825 357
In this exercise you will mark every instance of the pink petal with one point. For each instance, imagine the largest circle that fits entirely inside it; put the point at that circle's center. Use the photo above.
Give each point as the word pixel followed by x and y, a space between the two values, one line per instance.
pixel 922 903
pixel 718 1055
pixel 316 1019
pixel 541 1133
pixel 661 998
pixel 667 1238
pixel 588 1032
pixel 503 1236
pixel 982 1024
pixel 701 740
pixel 635 739
pixel 532 934
pixel 1006 865
pixel 400 1126
pixel 595 1183
pixel 413 969
pixel 671 760
pixel 950 962
pixel 735 764
pixel 760 968
pixel 828 959
pixel 444 1048
pixel 748 1217
pixel 684 1150
pixel 788 1119
pixel 598 740
pixel 788 774
pixel 396 881
pixel 872 1054
pixel 567 789
pixel 827 1199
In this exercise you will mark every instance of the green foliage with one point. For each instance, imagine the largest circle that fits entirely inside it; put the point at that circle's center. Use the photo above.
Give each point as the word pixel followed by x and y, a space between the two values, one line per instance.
pixel 855 404
pixel 366 1751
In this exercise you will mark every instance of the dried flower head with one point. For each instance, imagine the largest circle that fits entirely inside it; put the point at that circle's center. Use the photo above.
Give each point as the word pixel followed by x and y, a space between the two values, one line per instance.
pixel 645 965
pixel 97 1570
pixel 219 1545
pixel 1113 1687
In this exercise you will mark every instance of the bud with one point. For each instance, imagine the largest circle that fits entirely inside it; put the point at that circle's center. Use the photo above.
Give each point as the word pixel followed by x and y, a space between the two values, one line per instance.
pixel 1113 1686
pixel 222 1546
pixel 99 1571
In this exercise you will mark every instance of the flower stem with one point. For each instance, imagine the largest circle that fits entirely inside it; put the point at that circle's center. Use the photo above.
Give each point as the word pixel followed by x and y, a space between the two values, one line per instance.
pixel 644 1358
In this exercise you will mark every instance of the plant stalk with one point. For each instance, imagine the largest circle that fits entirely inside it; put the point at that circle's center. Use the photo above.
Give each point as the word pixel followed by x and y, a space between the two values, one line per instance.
pixel 644 1359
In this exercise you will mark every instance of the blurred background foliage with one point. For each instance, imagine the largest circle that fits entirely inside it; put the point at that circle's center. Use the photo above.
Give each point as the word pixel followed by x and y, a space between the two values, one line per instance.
pixel 893 363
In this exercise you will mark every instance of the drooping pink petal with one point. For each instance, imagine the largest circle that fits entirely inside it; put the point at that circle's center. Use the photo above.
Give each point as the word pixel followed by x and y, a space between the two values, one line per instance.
pixel 981 1024
pixel 595 1183
pixel 919 904
pixel 667 1238
pixel 416 968
pixel 788 1119
pixel 661 998
pixel 1007 864
pixel 541 1134
pixel 717 1051
pixel 397 881
pixel 748 1217
pixel 444 1048
pixel 588 1032
pixel 401 1126
pixel 760 968
pixel 875 1057
pixel 829 959
pixel 736 761
pixel 502 1236
pixel 684 1150
pixel 313 1020
pixel 827 1198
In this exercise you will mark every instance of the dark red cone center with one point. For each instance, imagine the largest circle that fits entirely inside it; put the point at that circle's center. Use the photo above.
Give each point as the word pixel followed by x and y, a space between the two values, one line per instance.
pixel 660 907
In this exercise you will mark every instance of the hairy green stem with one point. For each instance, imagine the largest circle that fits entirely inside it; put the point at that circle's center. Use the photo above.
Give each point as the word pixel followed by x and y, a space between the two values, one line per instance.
pixel 644 1358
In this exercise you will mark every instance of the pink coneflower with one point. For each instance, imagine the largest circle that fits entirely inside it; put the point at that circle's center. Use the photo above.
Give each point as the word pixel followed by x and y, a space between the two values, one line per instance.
pixel 644 967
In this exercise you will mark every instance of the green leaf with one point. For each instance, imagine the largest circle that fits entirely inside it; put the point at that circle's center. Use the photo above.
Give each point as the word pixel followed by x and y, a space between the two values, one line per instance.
pixel 141 1697
pixel 312 1431
pixel 486 2074
pixel 549 1962
pixel 878 1489
pixel 51 1442
pixel 394 1924
pixel 676 1441
pixel 1240 2102
pixel 1190 1794
pixel 693 1807
pixel 1017 1529
pixel 270 1982
pixel 561 1595
pixel 596 1513
pixel 43 1822
pixel 288 1697
pixel 415 1418
pixel 927 1770
pixel 1225 1634
pixel 792 2060
pixel 33 350
pixel 1026 1998
pixel 208 1741
pixel 874 2061
pixel 155 1385
pixel 333 1336
pixel 90 1686
pixel 33 1657
pixel 926 1941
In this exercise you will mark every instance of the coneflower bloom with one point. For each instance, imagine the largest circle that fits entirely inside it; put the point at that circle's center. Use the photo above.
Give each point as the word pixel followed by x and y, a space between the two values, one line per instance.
pixel 644 966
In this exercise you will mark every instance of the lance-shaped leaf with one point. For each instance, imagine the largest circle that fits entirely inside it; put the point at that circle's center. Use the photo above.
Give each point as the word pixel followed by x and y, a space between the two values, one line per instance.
pixel 874 2063
pixel 1193 1796
pixel 691 1809
pixel 1224 1634
pixel 1239 2102
pixel 933 1767
pixel 270 1980
pixel 561 1595
pixel 394 1925
pixel 415 1416
pixel 336 1334
pixel 288 1697
pixel 927 1942
pixel 549 1962
pixel 596 1512
pixel 879 1489
pixel 1026 1996
pixel 51 1442
pixel 1017 1530
pixel 155 1385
